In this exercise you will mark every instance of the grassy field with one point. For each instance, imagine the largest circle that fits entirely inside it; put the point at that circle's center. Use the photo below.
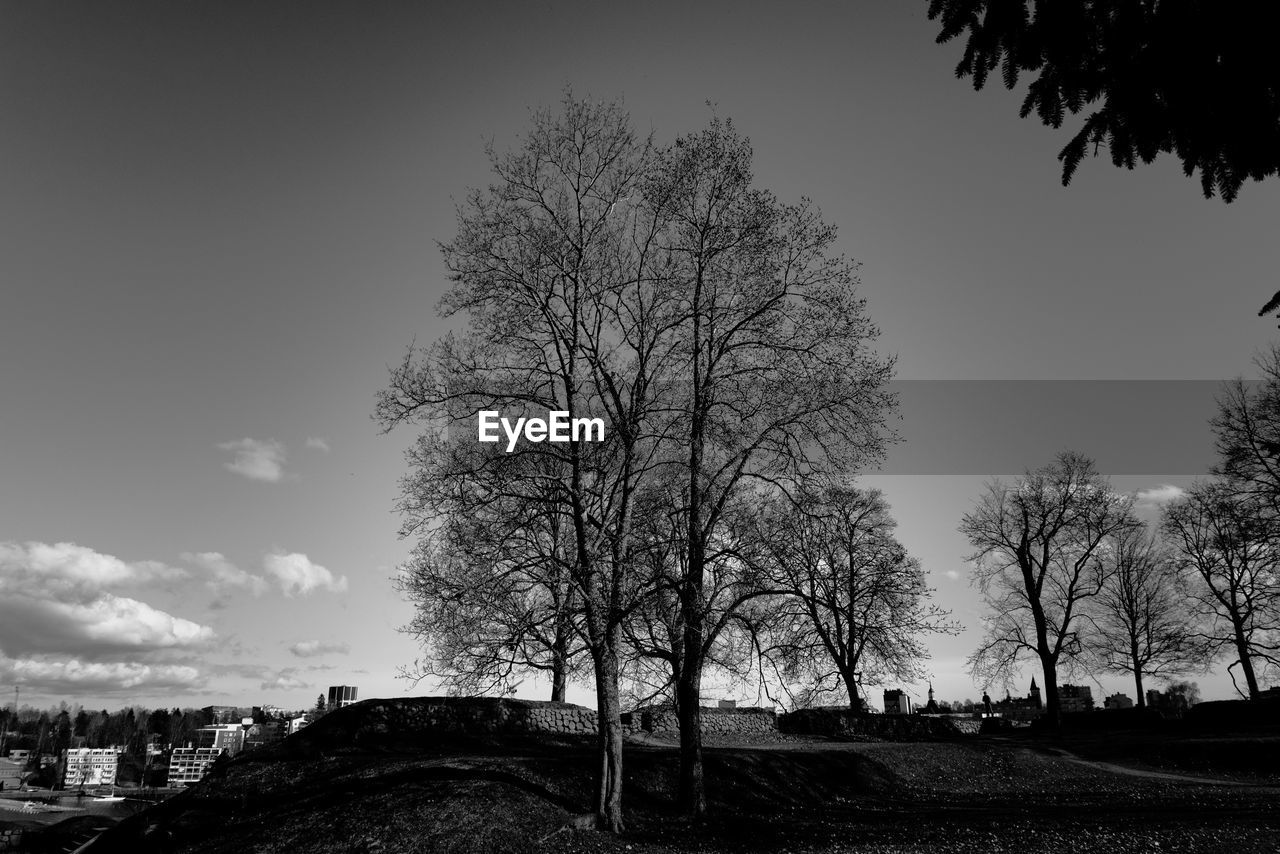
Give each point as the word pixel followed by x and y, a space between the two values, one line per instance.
pixel 978 794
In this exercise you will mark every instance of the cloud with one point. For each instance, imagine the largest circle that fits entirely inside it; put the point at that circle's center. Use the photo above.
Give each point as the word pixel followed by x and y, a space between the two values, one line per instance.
pixel 284 681
pixel 44 674
pixel 315 443
pixel 953 574
pixel 296 573
pixel 58 599
pixel 1158 496
pixel 256 460
pixel 71 569
pixel 312 648
pixel 223 574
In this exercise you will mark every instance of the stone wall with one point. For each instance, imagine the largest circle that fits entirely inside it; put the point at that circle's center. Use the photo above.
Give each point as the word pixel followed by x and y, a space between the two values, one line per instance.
pixel 662 721
pixel 843 723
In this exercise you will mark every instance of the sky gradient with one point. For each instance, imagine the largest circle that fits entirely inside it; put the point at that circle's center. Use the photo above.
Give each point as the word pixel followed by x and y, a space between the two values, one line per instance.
pixel 219 225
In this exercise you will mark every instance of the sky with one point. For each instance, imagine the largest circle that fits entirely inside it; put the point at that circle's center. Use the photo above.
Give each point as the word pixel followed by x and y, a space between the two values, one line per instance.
pixel 219 224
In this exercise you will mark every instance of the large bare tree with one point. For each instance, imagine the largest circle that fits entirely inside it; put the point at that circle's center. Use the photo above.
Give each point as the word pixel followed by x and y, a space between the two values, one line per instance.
pixel 854 606
pixel 1228 548
pixel 1141 623
pixel 775 379
pixel 553 268
pixel 1037 562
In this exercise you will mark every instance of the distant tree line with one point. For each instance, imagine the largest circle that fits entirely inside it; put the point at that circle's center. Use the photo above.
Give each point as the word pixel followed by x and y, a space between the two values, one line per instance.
pixel 715 532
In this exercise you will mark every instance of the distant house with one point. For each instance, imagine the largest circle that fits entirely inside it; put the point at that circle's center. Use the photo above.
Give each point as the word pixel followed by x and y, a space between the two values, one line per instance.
pixel 1117 701
pixel 896 702
pixel 90 766
pixel 10 773
pixel 295 724
pixel 1020 708
pixel 228 737
pixel 1075 698
pixel 340 695
pixel 188 765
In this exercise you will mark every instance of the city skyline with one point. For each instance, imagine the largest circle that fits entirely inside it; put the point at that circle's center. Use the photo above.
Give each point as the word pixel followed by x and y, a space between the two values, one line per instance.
pixel 220 228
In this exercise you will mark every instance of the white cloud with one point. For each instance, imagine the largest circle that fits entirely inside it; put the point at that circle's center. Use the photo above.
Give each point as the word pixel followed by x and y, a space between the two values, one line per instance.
pixel 223 574
pixel 312 648
pixel 107 626
pixel 296 573
pixel 953 574
pixel 256 460
pixel 315 443
pixel 63 676
pixel 69 568
pixel 56 599
pixel 1158 496
pixel 284 681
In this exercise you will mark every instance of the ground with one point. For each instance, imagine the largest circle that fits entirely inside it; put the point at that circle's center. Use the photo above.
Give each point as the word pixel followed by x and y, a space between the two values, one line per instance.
pixel 1011 794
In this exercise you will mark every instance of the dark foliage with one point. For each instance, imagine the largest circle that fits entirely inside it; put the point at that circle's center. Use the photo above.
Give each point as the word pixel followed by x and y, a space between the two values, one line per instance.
pixel 1194 78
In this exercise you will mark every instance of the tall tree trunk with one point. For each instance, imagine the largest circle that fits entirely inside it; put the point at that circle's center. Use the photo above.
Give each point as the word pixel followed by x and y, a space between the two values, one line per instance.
pixel 1137 674
pixel 609 737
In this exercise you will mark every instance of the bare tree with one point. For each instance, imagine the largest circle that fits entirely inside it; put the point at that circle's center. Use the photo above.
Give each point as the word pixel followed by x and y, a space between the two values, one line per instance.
pixel 777 383
pixel 854 604
pixel 1140 619
pixel 1247 434
pixel 1228 549
pixel 551 266
pixel 1037 562
pixel 494 599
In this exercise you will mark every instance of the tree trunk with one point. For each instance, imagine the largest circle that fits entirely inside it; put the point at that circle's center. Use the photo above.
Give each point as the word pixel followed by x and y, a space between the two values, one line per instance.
pixel 609 732
pixel 692 798
pixel 1246 662
pixel 1137 674
pixel 1052 704
pixel 559 666
pixel 851 685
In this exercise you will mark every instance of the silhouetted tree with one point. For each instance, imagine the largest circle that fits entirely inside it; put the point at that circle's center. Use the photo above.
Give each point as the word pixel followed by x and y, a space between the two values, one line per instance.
pixel 773 378
pixel 1195 79
pixel 1037 562
pixel 1246 432
pixel 1228 549
pixel 1142 625
pixel 854 607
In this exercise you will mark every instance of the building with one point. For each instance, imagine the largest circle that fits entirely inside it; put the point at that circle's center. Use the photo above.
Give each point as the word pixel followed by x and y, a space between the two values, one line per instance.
pixel 263 733
pixel 188 765
pixel 896 702
pixel 90 766
pixel 1075 698
pixel 295 724
pixel 267 713
pixel 1117 701
pixel 340 695
pixel 1026 708
pixel 10 774
pixel 228 737
pixel 931 707
pixel 222 714
pixel 23 756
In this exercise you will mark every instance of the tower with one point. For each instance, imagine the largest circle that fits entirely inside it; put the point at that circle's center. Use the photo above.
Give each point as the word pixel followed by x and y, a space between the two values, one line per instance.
pixel 1035 693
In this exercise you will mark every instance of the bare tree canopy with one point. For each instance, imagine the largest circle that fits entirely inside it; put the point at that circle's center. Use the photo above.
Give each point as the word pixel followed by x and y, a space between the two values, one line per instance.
pixel 854 606
pixel 1037 563
pixel 1228 549
pixel 1194 79
pixel 1141 625
pixel 1247 433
